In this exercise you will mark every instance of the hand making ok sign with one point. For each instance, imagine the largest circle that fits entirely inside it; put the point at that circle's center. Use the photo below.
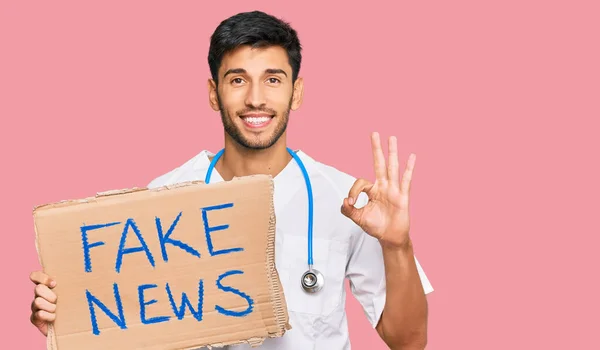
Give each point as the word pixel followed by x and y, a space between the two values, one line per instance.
pixel 385 216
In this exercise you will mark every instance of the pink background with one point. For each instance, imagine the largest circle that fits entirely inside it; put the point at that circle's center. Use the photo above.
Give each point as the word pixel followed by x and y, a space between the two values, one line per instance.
pixel 500 102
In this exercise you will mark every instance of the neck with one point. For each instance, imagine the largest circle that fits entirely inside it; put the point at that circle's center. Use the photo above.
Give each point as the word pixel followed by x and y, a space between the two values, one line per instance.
pixel 238 161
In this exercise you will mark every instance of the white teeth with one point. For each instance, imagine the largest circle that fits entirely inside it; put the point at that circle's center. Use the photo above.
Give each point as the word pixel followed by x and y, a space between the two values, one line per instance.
pixel 256 120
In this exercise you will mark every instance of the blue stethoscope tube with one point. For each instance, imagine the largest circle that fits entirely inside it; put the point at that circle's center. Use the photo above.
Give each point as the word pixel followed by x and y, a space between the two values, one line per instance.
pixel 312 280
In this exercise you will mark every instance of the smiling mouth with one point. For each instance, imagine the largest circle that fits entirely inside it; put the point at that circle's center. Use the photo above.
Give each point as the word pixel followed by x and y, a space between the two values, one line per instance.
pixel 256 120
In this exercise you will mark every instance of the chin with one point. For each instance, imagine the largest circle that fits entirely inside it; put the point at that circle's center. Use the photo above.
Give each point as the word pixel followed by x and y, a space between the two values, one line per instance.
pixel 256 144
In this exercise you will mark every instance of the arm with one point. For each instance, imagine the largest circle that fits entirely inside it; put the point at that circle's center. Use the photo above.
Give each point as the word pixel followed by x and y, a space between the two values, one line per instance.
pixel 403 323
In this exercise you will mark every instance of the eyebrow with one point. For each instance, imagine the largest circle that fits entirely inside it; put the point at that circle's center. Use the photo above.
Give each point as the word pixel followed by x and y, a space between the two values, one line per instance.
pixel 276 71
pixel 242 70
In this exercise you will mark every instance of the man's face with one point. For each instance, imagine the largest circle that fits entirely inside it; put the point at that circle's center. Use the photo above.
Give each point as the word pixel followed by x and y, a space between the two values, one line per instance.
pixel 255 94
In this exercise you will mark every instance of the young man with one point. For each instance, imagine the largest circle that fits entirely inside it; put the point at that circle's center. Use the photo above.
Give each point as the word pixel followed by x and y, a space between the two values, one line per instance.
pixel 361 229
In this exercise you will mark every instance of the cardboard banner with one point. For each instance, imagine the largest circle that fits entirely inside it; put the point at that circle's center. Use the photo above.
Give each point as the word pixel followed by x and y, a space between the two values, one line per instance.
pixel 177 267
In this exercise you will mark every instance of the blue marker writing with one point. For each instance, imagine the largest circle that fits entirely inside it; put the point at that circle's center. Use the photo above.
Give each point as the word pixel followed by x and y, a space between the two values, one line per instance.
pixel 208 229
pixel 234 291
pixel 144 303
pixel 122 250
pixel 87 261
pixel 119 320
pixel 180 312
pixel 166 238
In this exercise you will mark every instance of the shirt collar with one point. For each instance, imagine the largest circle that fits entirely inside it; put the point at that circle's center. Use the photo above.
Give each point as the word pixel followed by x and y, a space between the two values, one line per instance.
pixel 309 163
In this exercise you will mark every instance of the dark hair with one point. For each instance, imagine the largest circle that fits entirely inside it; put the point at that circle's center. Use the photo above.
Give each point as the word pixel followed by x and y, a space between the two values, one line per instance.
pixel 256 29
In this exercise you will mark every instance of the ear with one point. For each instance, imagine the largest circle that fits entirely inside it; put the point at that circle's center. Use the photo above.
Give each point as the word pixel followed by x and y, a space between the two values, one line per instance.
pixel 213 97
pixel 298 93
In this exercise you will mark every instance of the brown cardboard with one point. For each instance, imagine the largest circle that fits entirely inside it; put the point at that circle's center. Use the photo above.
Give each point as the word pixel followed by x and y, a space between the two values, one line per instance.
pixel 251 221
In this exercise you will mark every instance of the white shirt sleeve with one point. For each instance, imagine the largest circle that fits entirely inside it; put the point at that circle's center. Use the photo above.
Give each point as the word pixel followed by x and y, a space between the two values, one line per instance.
pixel 366 273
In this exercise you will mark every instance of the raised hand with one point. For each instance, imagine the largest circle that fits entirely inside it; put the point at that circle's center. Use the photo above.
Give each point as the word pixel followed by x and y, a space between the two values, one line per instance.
pixel 386 215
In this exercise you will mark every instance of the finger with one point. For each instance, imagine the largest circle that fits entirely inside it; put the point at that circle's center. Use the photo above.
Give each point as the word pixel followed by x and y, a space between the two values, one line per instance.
pixel 43 316
pixel 38 277
pixel 34 308
pixel 408 174
pixel 360 185
pixel 44 292
pixel 351 211
pixel 41 325
pixel 40 303
pixel 393 172
pixel 378 158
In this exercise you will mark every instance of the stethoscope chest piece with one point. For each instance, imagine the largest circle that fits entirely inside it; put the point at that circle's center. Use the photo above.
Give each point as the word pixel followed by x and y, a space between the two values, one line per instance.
pixel 312 281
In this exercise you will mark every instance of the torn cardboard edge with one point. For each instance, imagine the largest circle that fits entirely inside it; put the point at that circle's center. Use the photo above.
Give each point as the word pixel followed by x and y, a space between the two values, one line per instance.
pixel 276 291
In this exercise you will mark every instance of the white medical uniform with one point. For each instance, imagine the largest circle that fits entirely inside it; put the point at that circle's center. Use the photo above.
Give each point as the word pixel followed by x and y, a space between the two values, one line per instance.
pixel 340 250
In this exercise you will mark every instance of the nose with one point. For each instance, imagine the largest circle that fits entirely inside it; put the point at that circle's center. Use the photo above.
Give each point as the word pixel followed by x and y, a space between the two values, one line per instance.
pixel 256 95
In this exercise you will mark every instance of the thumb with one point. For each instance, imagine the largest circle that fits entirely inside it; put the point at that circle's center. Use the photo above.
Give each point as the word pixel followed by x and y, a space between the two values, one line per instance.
pixel 41 325
pixel 350 211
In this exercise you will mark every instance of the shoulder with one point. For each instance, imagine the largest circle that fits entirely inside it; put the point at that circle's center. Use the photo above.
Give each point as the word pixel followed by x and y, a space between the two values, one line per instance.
pixel 191 170
pixel 338 180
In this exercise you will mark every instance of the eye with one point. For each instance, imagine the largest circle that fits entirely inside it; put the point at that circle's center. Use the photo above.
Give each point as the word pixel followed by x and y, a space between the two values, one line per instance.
pixel 237 81
pixel 273 80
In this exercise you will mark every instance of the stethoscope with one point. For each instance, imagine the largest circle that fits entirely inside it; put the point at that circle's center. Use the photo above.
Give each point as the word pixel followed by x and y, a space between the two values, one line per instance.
pixel 312 280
